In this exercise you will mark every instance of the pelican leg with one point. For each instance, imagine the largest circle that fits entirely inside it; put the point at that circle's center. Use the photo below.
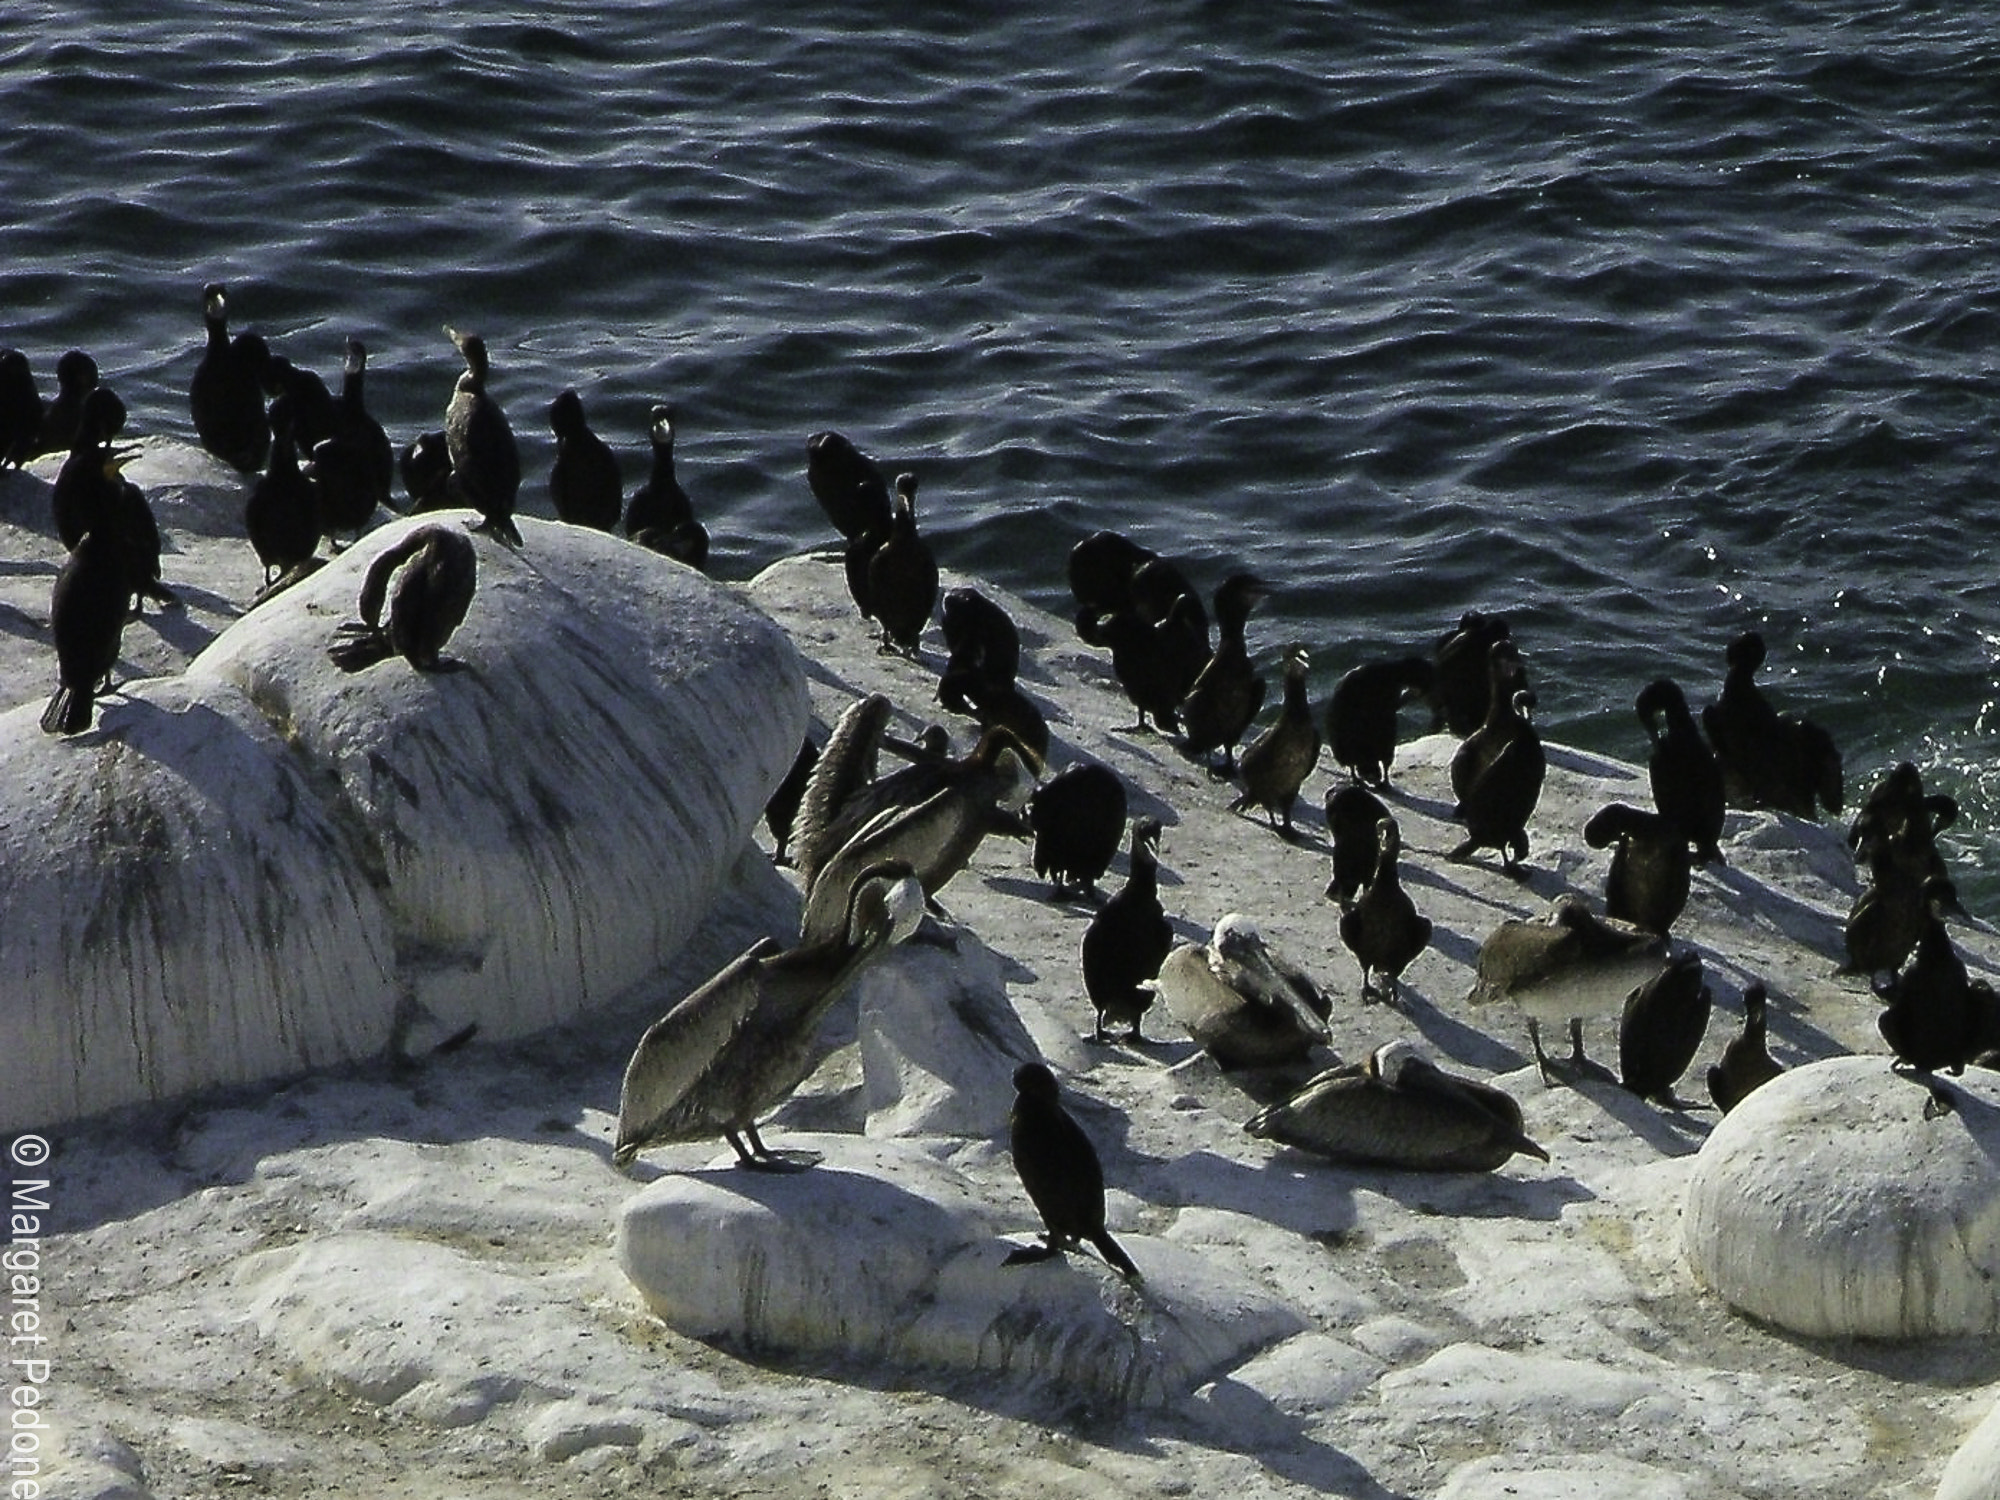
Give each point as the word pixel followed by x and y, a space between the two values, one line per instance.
pixel 1581 1066
pixel 1541 1057
pixel 761 1158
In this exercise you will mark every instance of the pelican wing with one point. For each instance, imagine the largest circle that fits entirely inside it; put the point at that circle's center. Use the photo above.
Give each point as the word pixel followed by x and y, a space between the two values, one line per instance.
pixel 680 1049
pixel 844 766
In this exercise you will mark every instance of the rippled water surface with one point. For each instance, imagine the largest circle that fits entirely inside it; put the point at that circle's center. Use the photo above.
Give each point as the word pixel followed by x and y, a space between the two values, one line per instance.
pixel 1641 323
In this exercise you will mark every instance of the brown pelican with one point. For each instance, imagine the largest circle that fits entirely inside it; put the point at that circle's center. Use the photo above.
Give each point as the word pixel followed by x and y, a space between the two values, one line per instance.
pixel 737 1046
pixel 1400 1110
pixel 1244 1005
pixel 935 837
pixel 1566 965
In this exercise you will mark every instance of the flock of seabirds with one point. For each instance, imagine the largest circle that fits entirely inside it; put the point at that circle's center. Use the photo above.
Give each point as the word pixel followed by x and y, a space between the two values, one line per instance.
pixel 873 848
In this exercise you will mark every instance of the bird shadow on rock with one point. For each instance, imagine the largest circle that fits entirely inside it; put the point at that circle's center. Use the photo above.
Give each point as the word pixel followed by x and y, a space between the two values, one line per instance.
pixel 1669 1131
pixel 1234 1418
pixel 1803 923
pixel 1289 1189
pixel 1459 1040
pixel 178 625
pixel 1540 1195
pixel 17 621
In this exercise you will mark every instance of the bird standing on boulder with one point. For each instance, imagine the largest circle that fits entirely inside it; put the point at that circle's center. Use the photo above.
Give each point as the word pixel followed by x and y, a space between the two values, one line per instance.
pixel 1059 1168
pixel 1361 715
pixel 485 462
pixel 659 515
pixel 282 513
pixel 356 466
pixel 1383 928
pixel 584 483
pixel 903 575
pixel 1497 773
pixel 1227 693
pixel 226 393
pixel 1685 775
pixel 87 618
pixel 435 571
pixel 738 1046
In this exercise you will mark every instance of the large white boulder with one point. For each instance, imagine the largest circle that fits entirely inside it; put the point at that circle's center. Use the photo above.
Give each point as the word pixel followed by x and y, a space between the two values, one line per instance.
pixel 888 1254
pixel 255 869
pixel 939 1042
pixel 1974 1470
pixel 1831 1203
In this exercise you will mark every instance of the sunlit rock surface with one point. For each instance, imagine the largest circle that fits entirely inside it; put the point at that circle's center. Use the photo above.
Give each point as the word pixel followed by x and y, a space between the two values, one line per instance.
pixel 1831 1204
pixel 1974 1471
pixel 885 1252
pixel 268 865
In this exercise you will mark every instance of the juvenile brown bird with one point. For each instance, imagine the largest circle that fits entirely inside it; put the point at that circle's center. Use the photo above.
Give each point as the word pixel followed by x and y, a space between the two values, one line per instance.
pixel 1277 763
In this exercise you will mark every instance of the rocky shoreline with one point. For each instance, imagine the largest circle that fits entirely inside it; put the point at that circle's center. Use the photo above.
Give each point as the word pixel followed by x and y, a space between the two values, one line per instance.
pixel 417 1278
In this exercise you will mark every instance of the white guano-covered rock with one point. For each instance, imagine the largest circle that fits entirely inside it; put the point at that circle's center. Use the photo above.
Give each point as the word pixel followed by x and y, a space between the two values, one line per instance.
pixel 1974 1470
pixel 179 906
pixel 885 1253
pixel 250 870
pixel 1828 1203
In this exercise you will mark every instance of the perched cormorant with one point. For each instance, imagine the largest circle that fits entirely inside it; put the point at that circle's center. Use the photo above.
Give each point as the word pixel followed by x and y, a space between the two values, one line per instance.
pixel 226 393
pixel 1242 1004
pixel 1660 1029
pixel 282 512
pixel 1746 1063
pixel 1156 662
pixel 1100 580
pixel 1461 691
pixel 1496 774
pixel 659 514
pixel 1128 939
pixel 1398 1109
pixel 485 463
pixel 76 378
pixel 1936 1016
pixel 355 467
pixel 1078 819
pixel 739 1045
pixel 1383 928
pixel 1226 694
pixel 435 570
pixel 1361 715
pixel 1276 763
pixel 1685 776
pixel 1059 1168
pixel 1352 815
pixel 980 640
pixel 584 483
pixel 21 408
pixel 1647 884
pixel 87 618
pixel 848 485
pixel 425 466
pixel 1768 759
pixel 903 575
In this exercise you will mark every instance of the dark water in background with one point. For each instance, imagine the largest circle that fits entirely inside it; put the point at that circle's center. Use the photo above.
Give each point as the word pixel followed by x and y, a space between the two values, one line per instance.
pixel 1641 323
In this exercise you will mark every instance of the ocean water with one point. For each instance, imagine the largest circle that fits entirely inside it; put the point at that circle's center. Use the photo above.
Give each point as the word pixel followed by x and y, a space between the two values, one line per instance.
pixel 1643 324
